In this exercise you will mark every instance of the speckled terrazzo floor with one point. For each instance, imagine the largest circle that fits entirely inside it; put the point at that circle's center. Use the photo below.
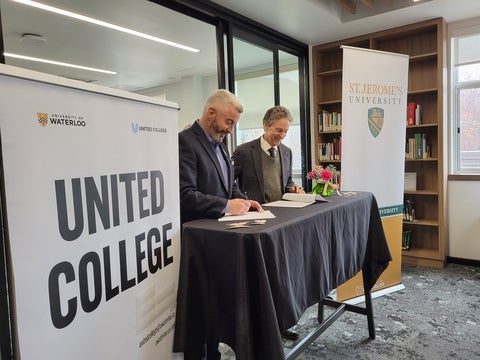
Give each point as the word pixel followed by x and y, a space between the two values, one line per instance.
pixel 436 317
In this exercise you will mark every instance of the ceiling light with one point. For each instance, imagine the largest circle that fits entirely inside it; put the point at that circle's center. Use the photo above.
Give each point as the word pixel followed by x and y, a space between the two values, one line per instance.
pixel 103 23
pixel 23 57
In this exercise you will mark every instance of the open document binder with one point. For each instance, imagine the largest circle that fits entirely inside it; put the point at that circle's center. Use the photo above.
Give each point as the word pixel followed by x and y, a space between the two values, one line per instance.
pixel 297 200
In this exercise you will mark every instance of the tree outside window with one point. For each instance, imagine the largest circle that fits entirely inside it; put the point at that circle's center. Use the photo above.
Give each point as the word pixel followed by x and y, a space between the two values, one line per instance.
pixel 466 117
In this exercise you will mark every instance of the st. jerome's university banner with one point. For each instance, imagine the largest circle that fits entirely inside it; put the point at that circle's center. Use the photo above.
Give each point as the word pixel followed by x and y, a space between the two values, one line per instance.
pixel 91 184
pixel 374 103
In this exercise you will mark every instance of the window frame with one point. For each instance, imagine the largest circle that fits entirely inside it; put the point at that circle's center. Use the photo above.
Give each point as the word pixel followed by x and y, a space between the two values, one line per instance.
pixel 456 31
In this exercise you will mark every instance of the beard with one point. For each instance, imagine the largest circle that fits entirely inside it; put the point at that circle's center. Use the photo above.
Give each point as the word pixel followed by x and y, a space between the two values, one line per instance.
pixel 217 134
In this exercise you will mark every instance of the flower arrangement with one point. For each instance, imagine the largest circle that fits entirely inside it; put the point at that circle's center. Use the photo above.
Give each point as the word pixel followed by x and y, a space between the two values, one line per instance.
pixel 324 178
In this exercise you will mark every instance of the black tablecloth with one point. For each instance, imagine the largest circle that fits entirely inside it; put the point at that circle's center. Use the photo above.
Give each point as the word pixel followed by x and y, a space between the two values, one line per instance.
pixel 243 286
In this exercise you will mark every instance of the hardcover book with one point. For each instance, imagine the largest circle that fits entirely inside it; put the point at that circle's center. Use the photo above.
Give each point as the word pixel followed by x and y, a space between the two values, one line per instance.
pixel 411 113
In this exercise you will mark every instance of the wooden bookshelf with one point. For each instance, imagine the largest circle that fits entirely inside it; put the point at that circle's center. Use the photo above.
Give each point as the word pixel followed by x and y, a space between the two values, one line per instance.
pixel 425 43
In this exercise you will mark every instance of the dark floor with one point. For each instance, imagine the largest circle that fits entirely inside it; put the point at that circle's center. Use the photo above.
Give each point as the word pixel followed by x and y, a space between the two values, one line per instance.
pixel 436 317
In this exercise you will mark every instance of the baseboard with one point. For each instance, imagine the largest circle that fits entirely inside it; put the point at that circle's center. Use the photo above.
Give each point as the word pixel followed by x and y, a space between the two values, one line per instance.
pixel 460 261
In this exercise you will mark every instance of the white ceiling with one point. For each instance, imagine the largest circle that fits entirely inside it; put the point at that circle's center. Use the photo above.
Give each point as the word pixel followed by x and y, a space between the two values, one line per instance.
pixel 319 21
pixel 143 64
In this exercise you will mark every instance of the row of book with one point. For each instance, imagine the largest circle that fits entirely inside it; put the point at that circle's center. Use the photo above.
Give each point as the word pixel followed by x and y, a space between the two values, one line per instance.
pixel 414 114
pixel 329 121
pixel 406 239
pixel 332 121
pixel 417 147
pixel 408 215
pixel 409 210
pixel 328 151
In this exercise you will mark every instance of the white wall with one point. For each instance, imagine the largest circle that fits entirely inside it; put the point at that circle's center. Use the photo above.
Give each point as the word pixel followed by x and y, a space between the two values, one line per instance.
pixel 463 209
pixel 464 219
pixel 189 93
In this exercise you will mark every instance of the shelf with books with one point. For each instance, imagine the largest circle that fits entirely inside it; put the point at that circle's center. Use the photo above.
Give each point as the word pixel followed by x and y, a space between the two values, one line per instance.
pixel 329 121
pixel 424 205
pixel 424 42
pixel 422 126
pixel 430 159
pixel 418 147
pixel 330 151
pixel 423 237
pixel 428 109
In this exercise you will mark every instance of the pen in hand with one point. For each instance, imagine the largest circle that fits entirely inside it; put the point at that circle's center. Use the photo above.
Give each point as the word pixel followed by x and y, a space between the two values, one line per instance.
pixel 254 204
pixel 246 199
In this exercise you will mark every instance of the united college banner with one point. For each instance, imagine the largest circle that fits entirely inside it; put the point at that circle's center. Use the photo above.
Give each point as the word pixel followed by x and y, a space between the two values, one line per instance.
pixel 91 201
pixel 374 102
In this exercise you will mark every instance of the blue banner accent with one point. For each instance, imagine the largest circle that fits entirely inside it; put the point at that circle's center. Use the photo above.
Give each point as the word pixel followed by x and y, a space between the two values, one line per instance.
pixel 391 210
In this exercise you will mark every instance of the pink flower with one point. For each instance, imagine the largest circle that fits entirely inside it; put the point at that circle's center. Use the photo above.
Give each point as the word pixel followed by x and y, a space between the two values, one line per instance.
pixel 321 174
pixel 312 175
pixel 326 175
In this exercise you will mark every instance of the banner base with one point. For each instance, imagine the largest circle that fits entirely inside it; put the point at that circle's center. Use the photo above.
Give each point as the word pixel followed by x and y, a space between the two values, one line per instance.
pixel 378 293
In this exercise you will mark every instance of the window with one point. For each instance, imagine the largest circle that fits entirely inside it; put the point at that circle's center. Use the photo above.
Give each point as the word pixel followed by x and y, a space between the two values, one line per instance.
pixel 465 104
pixel 255 84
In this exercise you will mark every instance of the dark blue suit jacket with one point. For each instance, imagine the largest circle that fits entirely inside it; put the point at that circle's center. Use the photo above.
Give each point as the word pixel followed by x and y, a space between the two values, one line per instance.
pixel 203 193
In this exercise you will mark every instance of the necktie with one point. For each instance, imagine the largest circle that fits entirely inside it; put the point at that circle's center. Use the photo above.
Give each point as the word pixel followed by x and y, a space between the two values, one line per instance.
pixel 273 152
pixel 221 160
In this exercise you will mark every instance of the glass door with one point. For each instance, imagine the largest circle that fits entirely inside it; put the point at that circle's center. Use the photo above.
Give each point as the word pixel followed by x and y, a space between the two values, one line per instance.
pixel 265 76
pixel 254 85
pixel 290 98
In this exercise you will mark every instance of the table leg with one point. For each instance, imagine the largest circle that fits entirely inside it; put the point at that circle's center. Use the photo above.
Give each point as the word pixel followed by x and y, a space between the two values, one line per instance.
pixel 369 310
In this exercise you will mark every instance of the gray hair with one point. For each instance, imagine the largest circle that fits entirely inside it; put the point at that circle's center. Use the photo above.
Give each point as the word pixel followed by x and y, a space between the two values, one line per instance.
pixel 276 113
pixel 222 99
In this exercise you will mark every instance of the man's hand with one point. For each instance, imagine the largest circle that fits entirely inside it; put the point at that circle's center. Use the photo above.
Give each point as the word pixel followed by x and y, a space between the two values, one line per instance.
pixel 255 205
pixel 238 206
pixel 242 206
pixel 297 189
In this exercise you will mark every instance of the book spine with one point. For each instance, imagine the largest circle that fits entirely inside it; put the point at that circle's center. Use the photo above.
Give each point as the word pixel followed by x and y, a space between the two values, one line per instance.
pixel 411 113
pixel 425 148
pixel 418 115
pixel 411 148
pixel 419 146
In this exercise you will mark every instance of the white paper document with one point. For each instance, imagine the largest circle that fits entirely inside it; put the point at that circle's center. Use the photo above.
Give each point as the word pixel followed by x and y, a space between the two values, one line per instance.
pixel 286 203
pixel 297 200
pixel 251 215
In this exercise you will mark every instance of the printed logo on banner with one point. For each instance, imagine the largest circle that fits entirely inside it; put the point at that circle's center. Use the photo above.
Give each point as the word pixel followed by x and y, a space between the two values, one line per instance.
pixel 375 120
pixel 42 119
pixel 60 119
pixel 136 128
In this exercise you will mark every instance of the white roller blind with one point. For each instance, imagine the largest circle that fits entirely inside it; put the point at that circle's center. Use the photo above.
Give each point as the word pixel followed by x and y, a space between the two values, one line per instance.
pixel 466 50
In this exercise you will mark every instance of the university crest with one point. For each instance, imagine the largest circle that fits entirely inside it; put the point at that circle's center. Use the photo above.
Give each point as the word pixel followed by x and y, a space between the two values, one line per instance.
pixel 42 119
pixel 375 120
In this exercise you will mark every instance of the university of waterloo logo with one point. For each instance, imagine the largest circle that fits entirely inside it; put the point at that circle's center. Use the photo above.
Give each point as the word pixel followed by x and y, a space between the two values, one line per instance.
pixel 42 119
pixel 375 120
